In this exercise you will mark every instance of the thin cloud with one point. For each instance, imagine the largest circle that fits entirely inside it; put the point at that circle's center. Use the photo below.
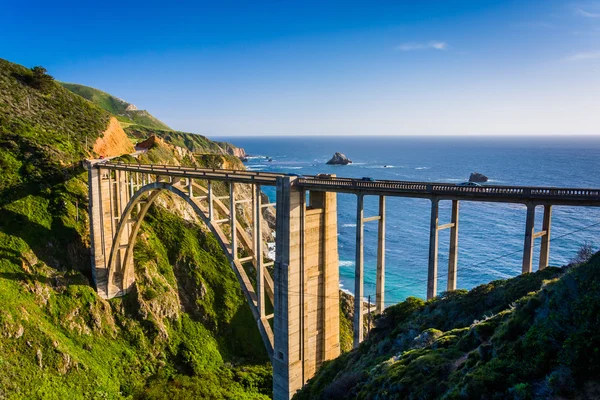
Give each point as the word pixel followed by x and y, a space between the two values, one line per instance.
pixel 591 55
pixel 410 46
pixel 588 14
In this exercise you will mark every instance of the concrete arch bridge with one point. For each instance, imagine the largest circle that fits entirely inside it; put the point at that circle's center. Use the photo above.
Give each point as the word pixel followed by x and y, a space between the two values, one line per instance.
pixel 303 330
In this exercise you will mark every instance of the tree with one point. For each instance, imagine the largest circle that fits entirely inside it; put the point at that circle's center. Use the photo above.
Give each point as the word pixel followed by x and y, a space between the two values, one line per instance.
pixel 40 78
pixel 585 252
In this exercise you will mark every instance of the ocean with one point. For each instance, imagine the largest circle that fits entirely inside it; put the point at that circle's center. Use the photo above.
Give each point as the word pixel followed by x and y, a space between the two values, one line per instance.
pixel 490 234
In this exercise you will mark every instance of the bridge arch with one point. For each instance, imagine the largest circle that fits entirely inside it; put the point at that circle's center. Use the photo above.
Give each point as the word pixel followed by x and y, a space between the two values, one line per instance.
pixel 302 330
pixel 120 264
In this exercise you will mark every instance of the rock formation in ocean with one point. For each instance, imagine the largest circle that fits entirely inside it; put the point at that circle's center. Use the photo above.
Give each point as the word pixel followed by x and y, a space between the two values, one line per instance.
pixel 339 159
pixel 477 177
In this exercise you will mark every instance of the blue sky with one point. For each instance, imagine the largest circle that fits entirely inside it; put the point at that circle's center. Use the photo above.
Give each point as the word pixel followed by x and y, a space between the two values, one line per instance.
pixel 327 68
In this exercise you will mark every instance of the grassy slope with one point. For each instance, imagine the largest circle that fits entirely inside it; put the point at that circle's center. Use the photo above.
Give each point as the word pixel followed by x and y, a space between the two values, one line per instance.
pixel 533 336
pixel 57 338
pixel 116 106
pixel 140 124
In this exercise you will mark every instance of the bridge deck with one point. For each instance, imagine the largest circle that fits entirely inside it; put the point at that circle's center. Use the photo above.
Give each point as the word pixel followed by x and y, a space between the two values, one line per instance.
pixel 490 193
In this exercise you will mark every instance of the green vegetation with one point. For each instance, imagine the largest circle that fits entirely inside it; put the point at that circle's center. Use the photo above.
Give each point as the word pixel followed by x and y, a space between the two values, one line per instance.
pixel 194 143
pixel 185 331
pixel 140 124
pixel 531 337
pixel 124 111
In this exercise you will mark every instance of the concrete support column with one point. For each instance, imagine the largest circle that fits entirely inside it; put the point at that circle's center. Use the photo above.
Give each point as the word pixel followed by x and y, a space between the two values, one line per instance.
pixel 380 290
pixel 260 269
pixel 306 283
pixel 432 271
pixel 358 272
pixel 453 251
pixel 190 183
pixel 232 220
pixel 131 186
pixel 529 237
pixel 546 227
pixel 210 202
pixel 99 273
pixel 288 338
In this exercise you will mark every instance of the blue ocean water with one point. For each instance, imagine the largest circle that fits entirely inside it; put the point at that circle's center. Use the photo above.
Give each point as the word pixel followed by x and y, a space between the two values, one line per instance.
pixel 490 234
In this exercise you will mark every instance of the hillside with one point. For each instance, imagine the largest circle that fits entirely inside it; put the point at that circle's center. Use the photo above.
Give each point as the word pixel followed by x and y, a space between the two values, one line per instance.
pixel 140 124
pixel 127 113
pixel 535 336
pixel 185 332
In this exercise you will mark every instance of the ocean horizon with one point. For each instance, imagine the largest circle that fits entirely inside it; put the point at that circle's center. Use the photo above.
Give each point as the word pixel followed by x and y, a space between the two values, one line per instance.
pixel 490 234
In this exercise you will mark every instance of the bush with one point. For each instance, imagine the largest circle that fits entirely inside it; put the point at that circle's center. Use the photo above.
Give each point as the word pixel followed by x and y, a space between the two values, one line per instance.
pixel 40 78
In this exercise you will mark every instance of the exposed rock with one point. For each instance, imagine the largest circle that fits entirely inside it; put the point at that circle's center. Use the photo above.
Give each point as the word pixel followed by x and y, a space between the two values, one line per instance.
pixel 38 356
pixel 477 177
pixel 146 144
pixel 339 159
pixel 114 141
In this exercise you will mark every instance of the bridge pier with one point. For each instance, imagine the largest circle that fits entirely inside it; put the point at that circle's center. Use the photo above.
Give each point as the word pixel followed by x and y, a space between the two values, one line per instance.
pixel 434 228
pixel 358 273
pixel 531 235
pixel 453 252
pixel 380 278
pixel 306 315
pixel 545 247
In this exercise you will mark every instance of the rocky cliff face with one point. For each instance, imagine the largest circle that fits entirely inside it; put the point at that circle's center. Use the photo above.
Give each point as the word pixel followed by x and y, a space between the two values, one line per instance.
pixel 114 141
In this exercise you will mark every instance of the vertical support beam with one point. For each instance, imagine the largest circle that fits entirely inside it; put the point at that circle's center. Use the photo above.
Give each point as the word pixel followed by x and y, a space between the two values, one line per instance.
pixel 210 202
pixel 131 187
pixel 260 269
pixel 545 248
pixel 453 251
pixel 287 355
pixel 232 221
pixel 99 274
pixel 432 271
pixel 358 272
pixel 304 331
pixel 190 188
pixel 380 291
pixel 528 244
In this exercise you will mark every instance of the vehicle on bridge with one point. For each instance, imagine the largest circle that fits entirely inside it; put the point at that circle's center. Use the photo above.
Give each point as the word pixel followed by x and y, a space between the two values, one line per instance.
pixel 471 184
pixel 324 176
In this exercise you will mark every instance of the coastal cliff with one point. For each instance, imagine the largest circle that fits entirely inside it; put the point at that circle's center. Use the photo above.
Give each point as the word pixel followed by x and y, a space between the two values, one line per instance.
pixel 185 330
pixel 531 337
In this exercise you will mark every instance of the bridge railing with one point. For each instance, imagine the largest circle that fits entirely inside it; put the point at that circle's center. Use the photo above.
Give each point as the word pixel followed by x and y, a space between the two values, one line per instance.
pixel 353 184
pixel 448 188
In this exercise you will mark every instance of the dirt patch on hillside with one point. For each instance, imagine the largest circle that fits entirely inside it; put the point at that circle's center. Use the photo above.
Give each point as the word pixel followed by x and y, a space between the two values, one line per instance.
pixel 114 141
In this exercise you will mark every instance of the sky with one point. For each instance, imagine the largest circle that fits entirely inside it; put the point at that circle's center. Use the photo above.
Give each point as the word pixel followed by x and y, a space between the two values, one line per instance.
pixel 226 68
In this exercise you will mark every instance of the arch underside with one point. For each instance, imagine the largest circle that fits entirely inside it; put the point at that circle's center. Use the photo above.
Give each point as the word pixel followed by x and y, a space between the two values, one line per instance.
pixel 121 278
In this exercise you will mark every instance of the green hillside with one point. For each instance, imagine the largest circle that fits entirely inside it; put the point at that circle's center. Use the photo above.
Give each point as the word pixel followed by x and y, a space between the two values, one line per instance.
pixel 186 332
pixel 535 336
pixel 120 108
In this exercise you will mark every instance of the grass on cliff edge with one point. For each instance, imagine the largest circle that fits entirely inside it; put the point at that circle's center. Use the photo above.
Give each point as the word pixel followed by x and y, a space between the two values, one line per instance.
pixel 536 336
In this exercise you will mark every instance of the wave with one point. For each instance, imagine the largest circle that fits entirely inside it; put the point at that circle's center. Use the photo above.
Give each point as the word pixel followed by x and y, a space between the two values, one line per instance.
pixel 292 167
pixel 348 225
pixel 345 263
pixel 419 168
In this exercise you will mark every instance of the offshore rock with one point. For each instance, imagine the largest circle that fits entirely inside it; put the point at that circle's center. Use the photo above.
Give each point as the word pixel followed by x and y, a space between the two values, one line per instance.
pixel 477 177
pixel 339 159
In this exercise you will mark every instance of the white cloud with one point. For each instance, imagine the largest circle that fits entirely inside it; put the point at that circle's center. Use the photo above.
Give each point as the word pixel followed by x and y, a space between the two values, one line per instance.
pixel 588 14
pixel 591 55
pixel 436 45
